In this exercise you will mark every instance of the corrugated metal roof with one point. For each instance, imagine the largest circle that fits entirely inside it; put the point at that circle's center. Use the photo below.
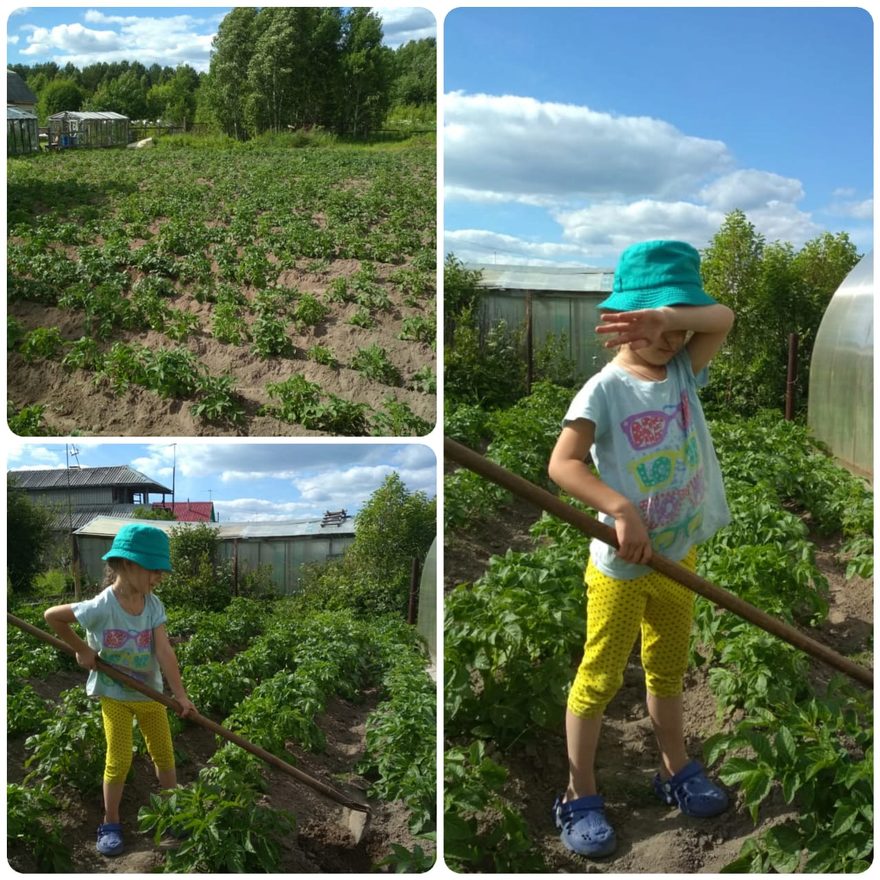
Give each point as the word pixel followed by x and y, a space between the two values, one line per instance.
pixel 88 114
pixel 57 478
pixel 17 91
pixel 549 278
pixel 82 517
pixel 18 113
pixel 106 526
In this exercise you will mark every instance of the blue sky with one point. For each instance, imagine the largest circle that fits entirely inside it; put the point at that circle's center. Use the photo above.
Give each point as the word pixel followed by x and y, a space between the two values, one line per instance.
pixel 251 482
pixel 573 132
pixel 169 35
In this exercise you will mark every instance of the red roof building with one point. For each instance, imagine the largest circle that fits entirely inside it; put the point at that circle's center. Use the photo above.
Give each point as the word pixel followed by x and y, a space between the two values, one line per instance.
pixel 188 511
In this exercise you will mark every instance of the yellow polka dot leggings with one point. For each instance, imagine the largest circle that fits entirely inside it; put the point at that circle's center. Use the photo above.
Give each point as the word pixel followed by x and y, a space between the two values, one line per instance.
pixel 616 611
pixel 152 718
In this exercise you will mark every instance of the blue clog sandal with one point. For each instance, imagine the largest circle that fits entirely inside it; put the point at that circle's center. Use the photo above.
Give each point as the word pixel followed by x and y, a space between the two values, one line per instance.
pixel 692 792
pixel 110 842
pixel 583 826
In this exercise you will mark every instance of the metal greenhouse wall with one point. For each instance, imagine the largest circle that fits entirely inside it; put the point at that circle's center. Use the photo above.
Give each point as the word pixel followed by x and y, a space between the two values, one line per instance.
pixel 283 546
pixel 22 135
pixel 840 408
pixel 88 129
pixel 547 301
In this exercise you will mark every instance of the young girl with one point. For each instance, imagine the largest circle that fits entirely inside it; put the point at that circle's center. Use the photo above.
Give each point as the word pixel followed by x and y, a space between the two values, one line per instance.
pixel 659 486
pixel 125 626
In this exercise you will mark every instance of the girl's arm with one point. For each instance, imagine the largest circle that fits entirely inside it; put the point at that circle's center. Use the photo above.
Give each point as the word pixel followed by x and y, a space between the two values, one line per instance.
pixel 168 664
pixel 709 325
pixel 570 472
pixel 60 618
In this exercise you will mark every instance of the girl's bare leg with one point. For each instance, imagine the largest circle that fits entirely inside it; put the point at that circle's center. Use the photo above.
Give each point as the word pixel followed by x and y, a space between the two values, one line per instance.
pixel 112 799
pixel 667 717
pixel 167 778
pixel 582 737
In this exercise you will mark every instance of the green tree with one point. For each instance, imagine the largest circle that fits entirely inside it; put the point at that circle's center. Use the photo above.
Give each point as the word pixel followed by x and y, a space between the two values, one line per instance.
pixel 774 291
pixel 28 537
pixel 393 528
pixel 293 74
pixel 174 100
pixel 415 73
pixel 160 513
pixel 125 94
pixel 57 96
pixel 366 73
pixel 233 49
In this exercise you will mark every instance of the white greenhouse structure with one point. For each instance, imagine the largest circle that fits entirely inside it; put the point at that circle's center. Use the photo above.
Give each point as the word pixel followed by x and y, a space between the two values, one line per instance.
pixel 22 134
pixel 88 129
pixel 841 409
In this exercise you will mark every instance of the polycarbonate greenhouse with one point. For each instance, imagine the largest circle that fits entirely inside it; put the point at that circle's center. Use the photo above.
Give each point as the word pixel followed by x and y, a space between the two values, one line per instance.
pixel 22 135
pixel 841 412
pixel 88 129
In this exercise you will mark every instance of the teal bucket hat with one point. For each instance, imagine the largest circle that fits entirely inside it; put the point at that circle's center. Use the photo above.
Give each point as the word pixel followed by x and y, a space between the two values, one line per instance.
pixel 652 274
pixel 148 546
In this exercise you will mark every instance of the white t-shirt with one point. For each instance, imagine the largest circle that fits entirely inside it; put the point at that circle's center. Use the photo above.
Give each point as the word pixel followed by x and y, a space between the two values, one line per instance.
pixel 123 639
pixel 653 446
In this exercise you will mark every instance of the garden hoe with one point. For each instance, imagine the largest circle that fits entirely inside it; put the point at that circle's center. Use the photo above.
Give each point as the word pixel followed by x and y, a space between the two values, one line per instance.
pixel 545 500
pixel 356 813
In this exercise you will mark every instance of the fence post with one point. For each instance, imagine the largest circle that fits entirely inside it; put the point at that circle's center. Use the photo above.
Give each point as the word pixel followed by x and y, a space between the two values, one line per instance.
pixel 412 613
pixel 791 376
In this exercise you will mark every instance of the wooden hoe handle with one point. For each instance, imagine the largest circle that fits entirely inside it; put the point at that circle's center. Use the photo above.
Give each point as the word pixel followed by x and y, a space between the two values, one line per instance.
pixel 115 673
pixel 594 528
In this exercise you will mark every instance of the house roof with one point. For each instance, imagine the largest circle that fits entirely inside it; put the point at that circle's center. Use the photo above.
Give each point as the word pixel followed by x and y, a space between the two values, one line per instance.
pixel 580 279
pixel 60 478
pixel 82 516
pixel 107 527
pixel 17 91
pixel 188 511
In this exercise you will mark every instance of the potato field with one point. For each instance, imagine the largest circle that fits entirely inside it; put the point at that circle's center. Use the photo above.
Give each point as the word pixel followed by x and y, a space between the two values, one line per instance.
pixel 790 739
pixel 199 288
pixel 345 700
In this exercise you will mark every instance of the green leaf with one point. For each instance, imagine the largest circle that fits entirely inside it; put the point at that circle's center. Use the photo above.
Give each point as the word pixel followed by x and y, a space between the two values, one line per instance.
pixel 844 819
pixel 783 848
pixel 737 770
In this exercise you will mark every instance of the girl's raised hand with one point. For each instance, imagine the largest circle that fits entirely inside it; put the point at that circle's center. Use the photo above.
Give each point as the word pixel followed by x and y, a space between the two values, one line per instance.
pixel 639 328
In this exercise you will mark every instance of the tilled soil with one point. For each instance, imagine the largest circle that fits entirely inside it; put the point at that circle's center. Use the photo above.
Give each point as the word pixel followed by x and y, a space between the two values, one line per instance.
pixel 652 838
pixel 320 842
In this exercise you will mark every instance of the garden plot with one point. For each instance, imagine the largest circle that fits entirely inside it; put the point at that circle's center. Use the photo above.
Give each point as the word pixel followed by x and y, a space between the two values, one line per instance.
pixel 790 740
pixel 324 695
pixel 259 290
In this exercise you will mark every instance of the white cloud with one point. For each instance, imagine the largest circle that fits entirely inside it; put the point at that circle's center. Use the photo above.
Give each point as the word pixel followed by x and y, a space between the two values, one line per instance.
pixel 523 148
pixel 172 40
pixel 12 40
pixel 609 227
pixel 402 24
pixel 484 246
pixel 749 188
pixel 858 209
pixel 348 486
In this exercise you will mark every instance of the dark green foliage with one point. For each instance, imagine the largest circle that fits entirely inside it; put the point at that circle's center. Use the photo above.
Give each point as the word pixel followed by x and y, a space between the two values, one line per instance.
pixel 70 748
pixel 226 829
pixel 32 824
pixel 774 291
pixel 28 537
pixel 482 832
